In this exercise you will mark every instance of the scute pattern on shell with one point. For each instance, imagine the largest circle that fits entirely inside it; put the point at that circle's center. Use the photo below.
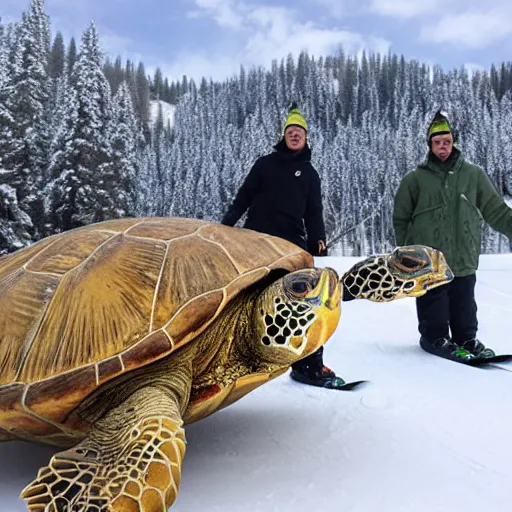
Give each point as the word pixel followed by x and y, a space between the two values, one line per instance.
pixel 82 307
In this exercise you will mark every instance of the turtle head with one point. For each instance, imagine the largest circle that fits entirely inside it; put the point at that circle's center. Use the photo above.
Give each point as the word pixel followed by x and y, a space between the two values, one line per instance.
pixel 408 271
pixel 421 267
pixel 297 314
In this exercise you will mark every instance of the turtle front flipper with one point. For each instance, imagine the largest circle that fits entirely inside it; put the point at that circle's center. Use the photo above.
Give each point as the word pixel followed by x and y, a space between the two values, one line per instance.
pixel 406 272
pixel 130 461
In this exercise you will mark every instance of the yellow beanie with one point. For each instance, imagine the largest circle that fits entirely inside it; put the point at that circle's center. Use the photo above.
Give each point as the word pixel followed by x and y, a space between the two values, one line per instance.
pixel 295 118
pixel 439 125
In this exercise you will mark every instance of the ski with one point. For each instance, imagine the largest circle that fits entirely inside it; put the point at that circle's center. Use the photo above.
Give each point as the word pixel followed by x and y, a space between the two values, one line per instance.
pixel 480 361
pixel 329 383
pixel 477 362
pixel 349 386
pixel 462 356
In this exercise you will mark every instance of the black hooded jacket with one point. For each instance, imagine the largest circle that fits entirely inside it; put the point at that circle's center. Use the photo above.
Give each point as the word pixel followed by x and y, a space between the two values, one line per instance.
pixel 283 195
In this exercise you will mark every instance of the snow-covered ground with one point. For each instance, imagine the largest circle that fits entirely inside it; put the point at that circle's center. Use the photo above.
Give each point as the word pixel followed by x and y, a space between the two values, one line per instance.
pixel 168 111
pixel 425 435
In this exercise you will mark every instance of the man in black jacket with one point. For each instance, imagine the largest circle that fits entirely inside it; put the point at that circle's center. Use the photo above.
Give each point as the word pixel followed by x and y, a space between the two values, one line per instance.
pixel 283 197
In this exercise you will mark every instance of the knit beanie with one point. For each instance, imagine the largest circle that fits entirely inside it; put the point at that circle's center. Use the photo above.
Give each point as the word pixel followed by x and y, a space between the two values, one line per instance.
pixel 295 118
pixel 439 125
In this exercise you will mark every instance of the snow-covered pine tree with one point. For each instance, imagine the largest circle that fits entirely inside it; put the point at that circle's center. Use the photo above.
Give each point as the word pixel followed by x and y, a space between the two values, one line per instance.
pixel 57 58
pixel 142 99
pixel 15 224
pixel 71 55
pixel 126 141
pixel 60 192
pixel 83 177
pixel 158 147
pixel 6 93
pixel 28 78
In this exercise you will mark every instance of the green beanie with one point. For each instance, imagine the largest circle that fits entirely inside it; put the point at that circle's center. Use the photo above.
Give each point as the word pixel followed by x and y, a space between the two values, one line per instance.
pixel 439 125
pixel 295 118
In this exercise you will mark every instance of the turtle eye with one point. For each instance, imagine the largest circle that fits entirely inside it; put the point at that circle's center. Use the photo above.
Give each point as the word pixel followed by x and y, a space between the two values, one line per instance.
pixel 301 284
pixel 299 287
pixel 408 261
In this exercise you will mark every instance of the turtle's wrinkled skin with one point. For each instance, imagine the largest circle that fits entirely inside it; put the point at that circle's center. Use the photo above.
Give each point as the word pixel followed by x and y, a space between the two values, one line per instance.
pixel 115 335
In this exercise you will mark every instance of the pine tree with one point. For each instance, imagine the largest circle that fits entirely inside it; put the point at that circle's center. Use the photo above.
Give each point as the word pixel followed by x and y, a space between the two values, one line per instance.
pixel 57 59
pixel 142 99
pixel 15 225
pixel 83 175
pixel 145 184
pixel 60 191
pixel 114 73
pixel 71 55
pixel 27 155
pixel 158 160
pixel 158 84
pixel 126 139
pixel 6 94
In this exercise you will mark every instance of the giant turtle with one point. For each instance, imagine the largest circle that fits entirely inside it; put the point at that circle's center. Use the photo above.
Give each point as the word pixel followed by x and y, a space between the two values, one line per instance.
pixel 115 335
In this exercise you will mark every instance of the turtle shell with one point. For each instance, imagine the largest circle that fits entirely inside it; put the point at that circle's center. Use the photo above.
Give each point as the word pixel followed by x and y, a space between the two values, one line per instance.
pixel 83 307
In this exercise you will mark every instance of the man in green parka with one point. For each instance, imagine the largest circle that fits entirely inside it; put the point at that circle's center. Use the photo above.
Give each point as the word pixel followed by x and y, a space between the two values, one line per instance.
pixel 442 204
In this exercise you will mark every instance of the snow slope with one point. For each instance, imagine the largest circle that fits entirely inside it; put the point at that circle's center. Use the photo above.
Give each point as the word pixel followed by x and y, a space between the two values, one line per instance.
pixel 425 435
pixel 168 111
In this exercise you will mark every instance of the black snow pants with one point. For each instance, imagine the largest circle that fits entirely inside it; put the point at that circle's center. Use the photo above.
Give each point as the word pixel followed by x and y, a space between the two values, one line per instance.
pixel 451 307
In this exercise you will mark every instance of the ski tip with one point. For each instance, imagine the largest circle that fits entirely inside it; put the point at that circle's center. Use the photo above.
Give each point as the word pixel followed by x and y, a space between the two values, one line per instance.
pixel 480 361
pixel 349 386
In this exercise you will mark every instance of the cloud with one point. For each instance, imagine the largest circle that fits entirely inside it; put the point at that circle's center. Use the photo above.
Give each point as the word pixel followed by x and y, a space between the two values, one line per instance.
pixel 278 35
pixel 114 45
pixel 224 12
pixel 215 66
pixel 470 29
pixel 264 33
pixel 336 8
pixel 465 24
pixel 406 9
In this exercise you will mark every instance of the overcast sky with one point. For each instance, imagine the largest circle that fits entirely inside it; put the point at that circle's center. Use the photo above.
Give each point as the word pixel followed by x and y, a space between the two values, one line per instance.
pixel 213 37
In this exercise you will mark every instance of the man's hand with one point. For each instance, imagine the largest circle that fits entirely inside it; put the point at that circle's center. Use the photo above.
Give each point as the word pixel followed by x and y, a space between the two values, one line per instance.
pixel 322 248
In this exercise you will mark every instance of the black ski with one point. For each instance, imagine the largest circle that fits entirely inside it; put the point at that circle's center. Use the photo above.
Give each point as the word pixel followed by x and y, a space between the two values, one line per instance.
pixel 349 386
pixel 476 362
pixel 481 361
pixel 464 357
pixel 330 383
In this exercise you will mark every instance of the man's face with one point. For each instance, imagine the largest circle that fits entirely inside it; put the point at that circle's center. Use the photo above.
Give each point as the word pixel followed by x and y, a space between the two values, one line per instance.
pixel 295 138
pixel 442 146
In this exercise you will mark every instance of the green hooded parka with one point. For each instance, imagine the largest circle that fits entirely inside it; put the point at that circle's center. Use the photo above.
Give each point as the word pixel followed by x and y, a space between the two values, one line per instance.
pixel 443 205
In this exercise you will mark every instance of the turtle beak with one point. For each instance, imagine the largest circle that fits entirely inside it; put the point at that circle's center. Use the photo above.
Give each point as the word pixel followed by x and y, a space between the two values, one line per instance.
pixel 328 289
pixel 326 300
pixel 441 272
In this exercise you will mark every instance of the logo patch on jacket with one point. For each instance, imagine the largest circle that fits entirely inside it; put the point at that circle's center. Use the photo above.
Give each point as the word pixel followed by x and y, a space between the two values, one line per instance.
pixel 298 173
